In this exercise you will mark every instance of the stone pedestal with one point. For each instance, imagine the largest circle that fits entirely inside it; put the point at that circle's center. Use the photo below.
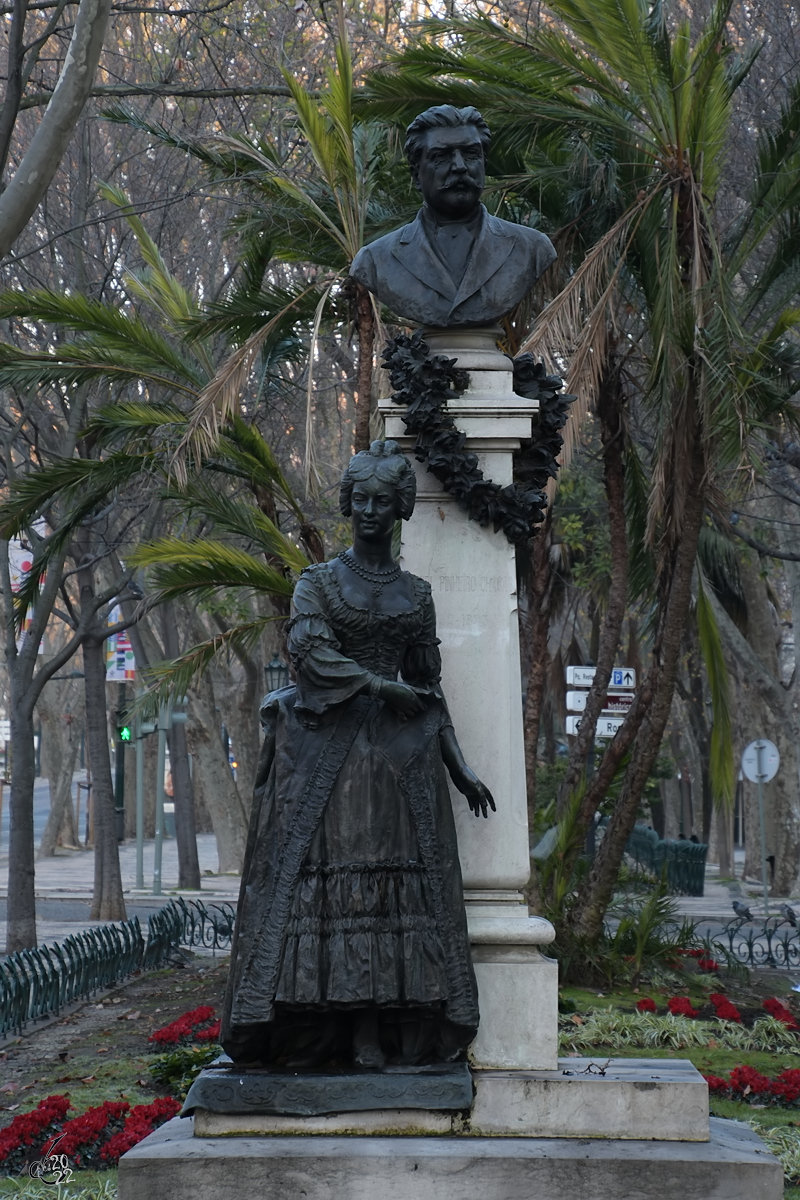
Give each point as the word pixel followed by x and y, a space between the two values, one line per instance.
pixel 472 572
pixel 732 1165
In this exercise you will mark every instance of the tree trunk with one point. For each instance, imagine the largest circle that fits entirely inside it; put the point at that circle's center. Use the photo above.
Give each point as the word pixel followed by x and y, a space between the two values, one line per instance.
pixel 107 902
pixel 15 55
pixel 183 798
pixel 609 409
pixel 365 318
pixel 60 709
pixel 648 718
pixel 182 793
pixel 21 903
pixel 33 176
pixel 539 590
pixel 219 787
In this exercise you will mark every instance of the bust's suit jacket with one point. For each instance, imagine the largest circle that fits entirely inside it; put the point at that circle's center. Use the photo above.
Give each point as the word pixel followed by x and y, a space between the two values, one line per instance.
pixel 404 272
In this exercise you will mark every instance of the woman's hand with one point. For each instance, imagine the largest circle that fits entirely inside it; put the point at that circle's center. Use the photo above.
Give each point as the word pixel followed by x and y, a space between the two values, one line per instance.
pixel 479 798
pixel 402 698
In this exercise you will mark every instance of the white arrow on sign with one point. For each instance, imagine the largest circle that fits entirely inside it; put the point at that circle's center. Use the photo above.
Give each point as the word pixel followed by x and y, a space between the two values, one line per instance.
pixel 606 726
pixel 615 702
pixel 5 731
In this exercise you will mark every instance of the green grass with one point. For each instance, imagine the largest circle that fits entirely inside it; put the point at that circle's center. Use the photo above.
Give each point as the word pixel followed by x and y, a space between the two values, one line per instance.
pixel 84 1185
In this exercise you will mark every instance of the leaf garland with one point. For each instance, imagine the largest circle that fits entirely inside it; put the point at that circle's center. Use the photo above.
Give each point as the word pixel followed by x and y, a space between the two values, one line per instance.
pixel 424 382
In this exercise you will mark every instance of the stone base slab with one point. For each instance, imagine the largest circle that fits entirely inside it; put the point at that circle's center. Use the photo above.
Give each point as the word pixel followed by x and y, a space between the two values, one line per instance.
pixel 629 1098
pixel 227 1090
pixel 633 1100
pixel 733 1165
pixel 388 1122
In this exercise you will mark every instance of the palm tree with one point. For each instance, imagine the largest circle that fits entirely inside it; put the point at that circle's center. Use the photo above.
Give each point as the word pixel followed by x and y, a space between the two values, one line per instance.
pixel 613 84
pixel 337 189
pixel 128 451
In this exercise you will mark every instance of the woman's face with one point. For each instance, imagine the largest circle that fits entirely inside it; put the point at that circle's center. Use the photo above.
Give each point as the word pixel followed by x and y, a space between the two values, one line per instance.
pixel 374 509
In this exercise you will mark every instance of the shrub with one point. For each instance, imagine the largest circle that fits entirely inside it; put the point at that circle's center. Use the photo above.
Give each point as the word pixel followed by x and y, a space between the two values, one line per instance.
pixel 646 1005
pixel 178 1070
pixel 724 1009
pixel 681 1006
pixel 780 1012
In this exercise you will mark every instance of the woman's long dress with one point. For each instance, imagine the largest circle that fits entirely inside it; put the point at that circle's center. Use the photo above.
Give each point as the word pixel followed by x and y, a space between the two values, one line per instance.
pixel 351 895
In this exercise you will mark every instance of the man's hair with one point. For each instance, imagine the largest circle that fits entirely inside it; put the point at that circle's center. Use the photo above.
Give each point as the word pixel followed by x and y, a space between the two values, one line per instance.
pixel 437 117
pixel 387 461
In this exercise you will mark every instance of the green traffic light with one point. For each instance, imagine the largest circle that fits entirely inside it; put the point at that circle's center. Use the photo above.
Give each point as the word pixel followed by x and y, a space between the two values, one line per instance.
pixel 125 734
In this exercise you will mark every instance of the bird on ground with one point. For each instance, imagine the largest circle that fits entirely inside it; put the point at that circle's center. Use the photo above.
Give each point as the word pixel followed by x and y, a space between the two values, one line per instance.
pixel 789 914
pixel 742 911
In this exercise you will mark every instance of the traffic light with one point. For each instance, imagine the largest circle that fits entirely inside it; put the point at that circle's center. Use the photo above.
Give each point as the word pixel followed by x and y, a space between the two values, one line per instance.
pixel 125 733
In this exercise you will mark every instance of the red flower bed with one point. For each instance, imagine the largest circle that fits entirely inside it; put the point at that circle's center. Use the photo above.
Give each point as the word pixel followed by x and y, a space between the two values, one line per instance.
pixel 707 964
pixel 83 1138
pixel 746 1083
pixel 681 1006
pixel 192 1026
pixel 781 1013
pixel 724 1009
pixel 646 1005
pixel 96 1139
pixel 28 1132
pixel 143 1119
pixel 209 1035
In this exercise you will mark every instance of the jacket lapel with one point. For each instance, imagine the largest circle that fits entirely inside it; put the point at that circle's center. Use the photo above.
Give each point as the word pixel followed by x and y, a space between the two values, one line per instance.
pixel 416 254
pixel 492 247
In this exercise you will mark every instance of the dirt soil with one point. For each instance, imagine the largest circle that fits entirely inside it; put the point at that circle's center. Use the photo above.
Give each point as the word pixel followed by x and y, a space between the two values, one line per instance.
pixel 100 1050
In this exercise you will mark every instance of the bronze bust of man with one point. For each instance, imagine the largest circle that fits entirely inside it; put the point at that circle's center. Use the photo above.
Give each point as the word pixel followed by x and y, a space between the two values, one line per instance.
pixel 455 265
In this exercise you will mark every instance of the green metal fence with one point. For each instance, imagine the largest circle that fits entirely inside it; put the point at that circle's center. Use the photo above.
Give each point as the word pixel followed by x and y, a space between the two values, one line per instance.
pixel 685 861
pixel 37 982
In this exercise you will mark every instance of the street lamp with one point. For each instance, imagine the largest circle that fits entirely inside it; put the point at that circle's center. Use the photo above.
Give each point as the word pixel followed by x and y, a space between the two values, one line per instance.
pixel 276 674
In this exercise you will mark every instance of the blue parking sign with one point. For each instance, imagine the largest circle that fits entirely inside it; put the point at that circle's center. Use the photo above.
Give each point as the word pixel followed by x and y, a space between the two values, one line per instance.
pixel 617 677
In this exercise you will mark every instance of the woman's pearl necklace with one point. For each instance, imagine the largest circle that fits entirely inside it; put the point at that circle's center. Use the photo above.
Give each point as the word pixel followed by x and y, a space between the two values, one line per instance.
pixel 377 579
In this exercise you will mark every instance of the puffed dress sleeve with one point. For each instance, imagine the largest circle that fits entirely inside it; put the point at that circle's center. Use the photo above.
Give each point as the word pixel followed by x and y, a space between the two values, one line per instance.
pixel 324 676
pixel 422 662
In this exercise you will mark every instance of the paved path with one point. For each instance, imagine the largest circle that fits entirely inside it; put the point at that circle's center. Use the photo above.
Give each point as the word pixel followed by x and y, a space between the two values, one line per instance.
pixel 64 883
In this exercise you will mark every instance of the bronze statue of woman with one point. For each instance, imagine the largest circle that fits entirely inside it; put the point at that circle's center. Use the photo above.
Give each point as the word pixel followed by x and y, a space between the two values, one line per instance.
pixel 351 939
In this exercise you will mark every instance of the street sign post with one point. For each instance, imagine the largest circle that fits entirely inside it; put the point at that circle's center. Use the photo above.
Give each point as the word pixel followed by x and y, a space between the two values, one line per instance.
pixel 760 762
pixel 615 702
pixel 606 726
pixel 583 677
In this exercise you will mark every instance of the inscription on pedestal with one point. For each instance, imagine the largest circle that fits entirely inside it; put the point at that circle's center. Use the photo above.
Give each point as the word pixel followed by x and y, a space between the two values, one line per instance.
pixel 472 583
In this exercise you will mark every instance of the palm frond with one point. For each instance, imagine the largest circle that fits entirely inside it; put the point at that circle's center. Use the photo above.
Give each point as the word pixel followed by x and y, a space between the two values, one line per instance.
pixel 203 567
pixel 219 400
pixel 172 678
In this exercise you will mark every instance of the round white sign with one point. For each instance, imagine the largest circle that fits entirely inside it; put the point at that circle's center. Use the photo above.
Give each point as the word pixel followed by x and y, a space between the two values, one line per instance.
pixel 761 761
